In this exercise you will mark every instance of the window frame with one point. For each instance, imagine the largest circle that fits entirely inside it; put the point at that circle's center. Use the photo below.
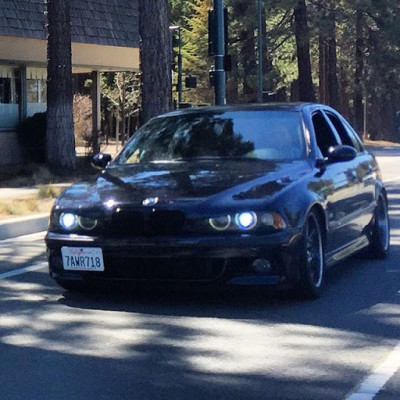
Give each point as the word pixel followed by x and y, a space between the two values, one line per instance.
pixel 347 136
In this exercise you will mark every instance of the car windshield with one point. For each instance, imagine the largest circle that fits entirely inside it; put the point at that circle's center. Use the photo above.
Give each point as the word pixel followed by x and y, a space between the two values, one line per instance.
pixel 263 135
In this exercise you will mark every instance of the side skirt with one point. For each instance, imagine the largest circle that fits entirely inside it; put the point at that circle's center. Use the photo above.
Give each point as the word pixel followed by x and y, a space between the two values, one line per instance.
pixel 340 254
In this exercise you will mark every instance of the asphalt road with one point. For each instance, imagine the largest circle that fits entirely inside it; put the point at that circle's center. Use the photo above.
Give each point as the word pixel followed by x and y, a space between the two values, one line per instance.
pixel 233 345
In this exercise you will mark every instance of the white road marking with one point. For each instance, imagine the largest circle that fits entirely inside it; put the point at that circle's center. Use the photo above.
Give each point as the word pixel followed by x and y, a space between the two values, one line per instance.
pixel 391 179
pixel 378 378
pixel 21 271
pixel 26 238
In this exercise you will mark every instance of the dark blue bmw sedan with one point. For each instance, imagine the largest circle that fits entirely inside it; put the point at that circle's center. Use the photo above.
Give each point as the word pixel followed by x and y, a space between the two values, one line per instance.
pixel 236 195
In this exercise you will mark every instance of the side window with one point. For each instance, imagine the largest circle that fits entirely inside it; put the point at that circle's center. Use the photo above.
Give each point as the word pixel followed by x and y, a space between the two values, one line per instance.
pixel 356 139
pixel 323 133
pixel 343 132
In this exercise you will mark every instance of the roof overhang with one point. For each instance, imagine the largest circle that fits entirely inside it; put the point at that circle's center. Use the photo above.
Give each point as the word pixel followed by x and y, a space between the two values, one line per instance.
pixel 85 57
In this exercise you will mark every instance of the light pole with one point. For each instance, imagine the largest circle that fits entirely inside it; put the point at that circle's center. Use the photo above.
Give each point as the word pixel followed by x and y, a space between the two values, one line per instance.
pixel 179 83
pixel 260 53
pixel 219 53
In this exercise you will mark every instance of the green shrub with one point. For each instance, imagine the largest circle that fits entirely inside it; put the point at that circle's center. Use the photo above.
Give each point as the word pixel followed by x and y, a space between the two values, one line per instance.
pixel 32 138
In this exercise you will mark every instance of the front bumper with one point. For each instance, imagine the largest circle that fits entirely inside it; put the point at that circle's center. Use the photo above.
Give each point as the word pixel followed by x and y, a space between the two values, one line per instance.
pixel 208 259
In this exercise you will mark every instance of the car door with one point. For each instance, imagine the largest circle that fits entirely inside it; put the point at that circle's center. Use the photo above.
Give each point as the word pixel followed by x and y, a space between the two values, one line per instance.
pixel 341 187
pixel 364 169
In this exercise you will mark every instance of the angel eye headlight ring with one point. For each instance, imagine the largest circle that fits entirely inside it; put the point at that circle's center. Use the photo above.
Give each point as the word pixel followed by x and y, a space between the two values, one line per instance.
pixel 220 223
pixel 86 223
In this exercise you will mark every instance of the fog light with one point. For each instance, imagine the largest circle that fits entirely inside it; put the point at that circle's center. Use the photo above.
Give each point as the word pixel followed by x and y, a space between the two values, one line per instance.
pixel 262 266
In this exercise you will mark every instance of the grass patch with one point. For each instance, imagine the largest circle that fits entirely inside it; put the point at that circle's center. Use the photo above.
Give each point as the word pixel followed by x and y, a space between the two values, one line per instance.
pixel 24 207
pixel 28 175
pixel 49 191
pixel 49 183
pixel 39 203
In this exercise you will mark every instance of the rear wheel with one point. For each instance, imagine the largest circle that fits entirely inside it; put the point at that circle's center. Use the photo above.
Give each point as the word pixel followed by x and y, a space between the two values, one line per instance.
pixel 312 265
pixel 380 233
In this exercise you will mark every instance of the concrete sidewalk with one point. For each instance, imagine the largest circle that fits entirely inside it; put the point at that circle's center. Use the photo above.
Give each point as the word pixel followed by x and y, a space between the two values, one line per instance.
pixel 24 225
pixel 18 226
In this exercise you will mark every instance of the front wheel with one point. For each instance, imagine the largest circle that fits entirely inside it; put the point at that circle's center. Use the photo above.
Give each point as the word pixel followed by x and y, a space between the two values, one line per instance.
pixel 380 232
pixel 312 266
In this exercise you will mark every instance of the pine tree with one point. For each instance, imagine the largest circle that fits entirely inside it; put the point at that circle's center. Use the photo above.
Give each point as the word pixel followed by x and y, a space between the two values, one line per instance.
pixel 155 58
pixel 60 149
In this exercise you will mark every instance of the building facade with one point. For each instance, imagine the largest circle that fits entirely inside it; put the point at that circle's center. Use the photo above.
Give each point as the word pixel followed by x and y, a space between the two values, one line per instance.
pixel 104 36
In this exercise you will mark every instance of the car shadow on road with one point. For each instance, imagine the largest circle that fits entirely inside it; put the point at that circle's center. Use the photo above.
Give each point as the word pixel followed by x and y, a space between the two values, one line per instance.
pixel 355 291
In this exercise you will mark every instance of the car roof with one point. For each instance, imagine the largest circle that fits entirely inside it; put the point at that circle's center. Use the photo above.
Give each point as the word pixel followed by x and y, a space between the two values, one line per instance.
pixel 297 107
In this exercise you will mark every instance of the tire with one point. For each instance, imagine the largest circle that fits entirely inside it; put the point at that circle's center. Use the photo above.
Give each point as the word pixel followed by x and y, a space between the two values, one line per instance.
pixel 379 241
pixel 312 266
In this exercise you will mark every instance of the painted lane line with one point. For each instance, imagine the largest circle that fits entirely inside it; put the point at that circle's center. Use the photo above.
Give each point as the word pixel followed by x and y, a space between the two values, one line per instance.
pixel 378 378
pixel 391 179
pixel 25 238
pixel 21 271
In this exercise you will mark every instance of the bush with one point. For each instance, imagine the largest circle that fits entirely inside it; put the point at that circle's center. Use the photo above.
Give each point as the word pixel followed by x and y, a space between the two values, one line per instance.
pixel 32 138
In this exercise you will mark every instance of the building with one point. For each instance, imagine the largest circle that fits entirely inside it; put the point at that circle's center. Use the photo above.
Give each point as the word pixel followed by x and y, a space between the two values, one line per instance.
pixel 105 37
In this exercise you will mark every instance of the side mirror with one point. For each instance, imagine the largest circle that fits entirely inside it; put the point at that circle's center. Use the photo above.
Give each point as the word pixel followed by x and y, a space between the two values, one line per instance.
pixel 341 153
pixel 101 160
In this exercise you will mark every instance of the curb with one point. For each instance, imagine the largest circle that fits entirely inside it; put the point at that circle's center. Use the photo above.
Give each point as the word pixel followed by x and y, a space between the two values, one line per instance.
pixel 14 227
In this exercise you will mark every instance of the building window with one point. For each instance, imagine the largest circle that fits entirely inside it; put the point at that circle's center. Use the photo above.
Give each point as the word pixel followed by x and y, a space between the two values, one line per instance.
pixel 36 90
pixel 8 87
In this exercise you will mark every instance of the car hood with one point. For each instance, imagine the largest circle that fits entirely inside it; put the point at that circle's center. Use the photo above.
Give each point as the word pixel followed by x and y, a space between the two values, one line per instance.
pixel 166 183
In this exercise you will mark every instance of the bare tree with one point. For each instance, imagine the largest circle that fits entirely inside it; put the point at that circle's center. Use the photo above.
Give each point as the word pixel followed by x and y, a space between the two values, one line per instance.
pixel 155 58
pixel 60 149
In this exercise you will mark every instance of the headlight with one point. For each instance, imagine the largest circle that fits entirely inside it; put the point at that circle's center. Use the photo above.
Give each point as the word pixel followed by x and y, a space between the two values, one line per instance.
pixel 246 220
pixel 220 223
pixel 87 223
pixel 273 220
pixel 68 221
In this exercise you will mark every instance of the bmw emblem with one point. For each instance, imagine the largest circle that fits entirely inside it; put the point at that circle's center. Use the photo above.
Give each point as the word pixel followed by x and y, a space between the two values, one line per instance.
pixel 150 201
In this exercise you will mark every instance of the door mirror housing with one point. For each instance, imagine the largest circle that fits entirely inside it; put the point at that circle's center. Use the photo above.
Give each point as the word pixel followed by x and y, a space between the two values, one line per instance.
pixel 341 153
pixel 101 160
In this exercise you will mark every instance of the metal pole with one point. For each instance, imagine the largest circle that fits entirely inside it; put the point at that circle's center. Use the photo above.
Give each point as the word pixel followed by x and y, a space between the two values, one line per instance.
pixel 179 67
pixel 220 52
pixel 260 53
pixel 365 116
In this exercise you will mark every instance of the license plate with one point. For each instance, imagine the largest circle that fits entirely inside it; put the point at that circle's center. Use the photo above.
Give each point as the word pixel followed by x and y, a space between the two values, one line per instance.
pixel 82 258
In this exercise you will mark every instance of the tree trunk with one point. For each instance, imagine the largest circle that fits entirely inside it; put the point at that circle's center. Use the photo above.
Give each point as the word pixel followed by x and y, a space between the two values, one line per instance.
pixel 332 74
pixel 322 90
pixel 60 138
pixel 155 58
pixel 249 62
pixel 306 89
pixel 328 75
pixel 358 77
